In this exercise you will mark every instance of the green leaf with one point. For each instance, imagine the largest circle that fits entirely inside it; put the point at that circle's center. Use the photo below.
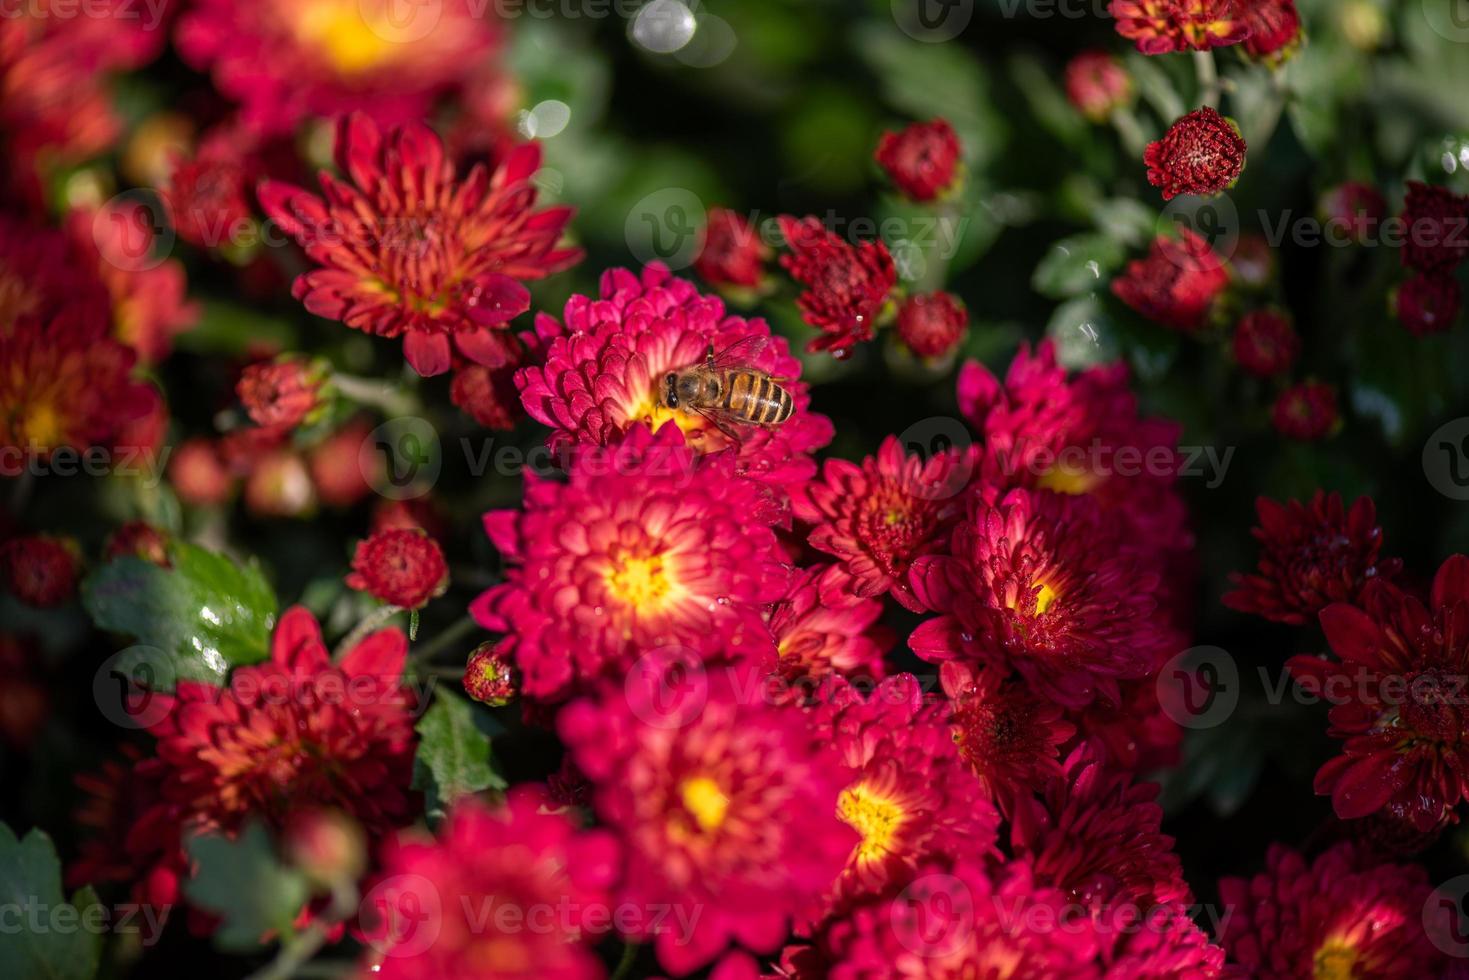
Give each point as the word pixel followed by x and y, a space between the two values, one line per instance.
pixel 50 938
pixel 225 328
pixel 207 612
pixel 453 752
pixel 244 883
pixel 1076 265
pixel 1126 220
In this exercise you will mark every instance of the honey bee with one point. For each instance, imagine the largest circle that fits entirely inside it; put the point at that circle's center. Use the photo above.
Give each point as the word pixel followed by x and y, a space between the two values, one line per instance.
pixel 727 389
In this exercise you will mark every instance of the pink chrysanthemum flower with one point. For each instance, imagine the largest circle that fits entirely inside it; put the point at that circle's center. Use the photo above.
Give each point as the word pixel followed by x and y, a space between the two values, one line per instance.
pixel 1397 696
pixel 880 515
pixel 953 921
pixel 1135 734
pixel 407 249
pixel 1095 834
pixel 605 362
pixel 647 545
pixel 1079 434
pixel 1336 916
pixel 1043 583
pixel 847 286
pixel 1009 736
pixel 512 891
pixel 1311 555
pixel 909 795
pixel 289 60
pixel 822 626
pixel 1162 943
pixel 726 806
pixel 275 739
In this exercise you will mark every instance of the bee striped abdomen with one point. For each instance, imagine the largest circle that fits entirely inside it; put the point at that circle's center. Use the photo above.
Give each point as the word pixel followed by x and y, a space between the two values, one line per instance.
pixel 755 398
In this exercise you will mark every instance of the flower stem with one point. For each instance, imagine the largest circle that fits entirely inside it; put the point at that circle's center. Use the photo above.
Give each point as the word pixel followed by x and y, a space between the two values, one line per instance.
pixel 389 398
pixel 455 632
pixel 1208 74
pixel 295 952
pixel 369 624
pixel 1124 120
pixel 624 965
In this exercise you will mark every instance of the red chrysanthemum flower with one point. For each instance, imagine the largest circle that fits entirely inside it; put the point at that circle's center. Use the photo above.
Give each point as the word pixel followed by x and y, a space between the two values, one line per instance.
pixel 1176 284
pixel 402 567
pixel 408 250
pixel 1162 26
pixel 1275 29
pixel 340 469
pixel 281 737
pixel 606 362
pixel 138 539
pixel 1397 698
pixel 39 569
pixel 288 60
pixel 1311 555
pixel 487 395
pixel 1161 944
pixel 1265 343
pixel 1079 434
pixel 1095 834
pixel 1436 237
pixel 1428 303
pixel 278 484
pixel 1009 736
pixel 1202 153
pixel 280 394
pixel 1336 916
pixel 923 160
pixel 881 514
pixel 1306 411
pixel 1043 583
pixel 931 325
pixel 909 795
pixel 1097 84
pixel 490 677
pixel 1135 734
pixel 726 806
pixel 208 195
pixel 731 252
pixel 513 891
pixel 823 627
pixel 847 287
pixel 1355 208
pixel 953 921
pixel 40 277
pixel 647 545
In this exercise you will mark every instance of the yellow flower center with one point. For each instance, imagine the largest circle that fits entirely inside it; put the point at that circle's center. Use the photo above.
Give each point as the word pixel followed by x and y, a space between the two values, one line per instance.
pixel 1044 598
pixel 1074 481
pixel 1335 960
pixel 705 801
pixel 353 37
pixel 42 426
pixel 641 582
pixel 873 815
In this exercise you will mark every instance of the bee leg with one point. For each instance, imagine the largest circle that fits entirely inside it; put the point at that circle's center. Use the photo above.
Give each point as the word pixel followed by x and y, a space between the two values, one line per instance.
pixel 709 357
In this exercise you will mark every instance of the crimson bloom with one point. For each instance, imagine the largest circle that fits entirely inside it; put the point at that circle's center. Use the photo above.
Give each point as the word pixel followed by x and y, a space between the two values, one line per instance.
pixel 40 570
pixel 1428 303
pixel 1397 699
pixel 1311 555
pixel 847 287
pixel 487 395
pixel 878 516
pixel 646 545
pixel 406 249
pixel 489 676
pixel 286 60
pixel 1335 916
pixel 822 627
pixel 1176 284
pixel 1437 239
pixel 931 325
pixel 1040 582
pixel 400 566
pixel 922 160
pixel 139 539
pixel 726 807
pixel 208 194
pixel 1097 84
pixel 607 358
pixel 430 917
pixel 1265 343
pixel 1162 26
pixel 909 795
pixel 731 252
pixel 1306 411
pixel 1275 29
pixel 279 394
pixel 1202 153
pixel 1356 207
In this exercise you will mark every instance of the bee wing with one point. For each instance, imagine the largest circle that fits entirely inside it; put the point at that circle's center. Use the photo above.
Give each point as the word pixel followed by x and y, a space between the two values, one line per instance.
pixel 742 353
pixel 723 421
